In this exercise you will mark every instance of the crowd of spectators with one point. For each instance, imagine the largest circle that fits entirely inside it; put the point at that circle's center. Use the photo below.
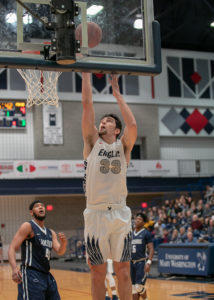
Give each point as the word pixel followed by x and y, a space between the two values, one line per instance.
pixel 183 220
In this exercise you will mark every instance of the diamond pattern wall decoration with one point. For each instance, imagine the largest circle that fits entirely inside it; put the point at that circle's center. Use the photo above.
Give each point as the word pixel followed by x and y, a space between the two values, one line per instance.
pixel 192 79
pixel 173 120
pixel 196 78
pixel 185 120
pixel 196 121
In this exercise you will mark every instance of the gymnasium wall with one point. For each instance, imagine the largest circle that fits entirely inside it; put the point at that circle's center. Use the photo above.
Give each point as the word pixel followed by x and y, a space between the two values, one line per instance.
pixel 18 144
pixel 184 89
pixel 73 144
pixel 67 215
pixel 190 148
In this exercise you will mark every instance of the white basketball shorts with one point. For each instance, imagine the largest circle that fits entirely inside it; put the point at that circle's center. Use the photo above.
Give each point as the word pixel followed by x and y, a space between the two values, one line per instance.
pixel 108 234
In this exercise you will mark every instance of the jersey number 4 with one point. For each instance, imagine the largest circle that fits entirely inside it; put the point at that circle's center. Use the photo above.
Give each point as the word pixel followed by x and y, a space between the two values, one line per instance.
pixel 106 166
pixel 48 253
pixel 133 248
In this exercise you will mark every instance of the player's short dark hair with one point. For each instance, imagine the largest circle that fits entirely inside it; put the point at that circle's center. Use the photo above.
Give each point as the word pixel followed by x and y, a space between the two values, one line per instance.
pixel 143 216
pixel 117 121
pixel 33 203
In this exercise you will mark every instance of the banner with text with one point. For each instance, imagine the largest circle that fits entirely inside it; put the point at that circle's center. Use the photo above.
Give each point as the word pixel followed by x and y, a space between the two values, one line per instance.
pixel 159 168
pixel 184 259
pixel 75 169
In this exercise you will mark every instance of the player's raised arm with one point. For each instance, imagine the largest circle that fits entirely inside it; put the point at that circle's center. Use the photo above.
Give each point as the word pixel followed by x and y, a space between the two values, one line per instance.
pixel 59 246
pixel 23 233
pixel 130 131
pixel 89 130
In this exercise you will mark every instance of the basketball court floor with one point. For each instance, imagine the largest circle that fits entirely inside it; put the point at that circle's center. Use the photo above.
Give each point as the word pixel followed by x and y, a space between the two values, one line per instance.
pixel 76 285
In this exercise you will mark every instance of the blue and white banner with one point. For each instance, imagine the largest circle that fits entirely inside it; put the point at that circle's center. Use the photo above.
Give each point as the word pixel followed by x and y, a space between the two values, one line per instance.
pixel 184 259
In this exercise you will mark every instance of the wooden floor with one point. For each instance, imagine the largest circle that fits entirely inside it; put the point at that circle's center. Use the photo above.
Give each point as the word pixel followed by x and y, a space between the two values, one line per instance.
pixel 75 285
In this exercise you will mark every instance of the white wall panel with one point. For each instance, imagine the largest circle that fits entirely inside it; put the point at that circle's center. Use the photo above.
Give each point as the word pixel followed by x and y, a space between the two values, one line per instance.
pixel 207 167
pixel 13 212
pixel 18 143
pixel 196 168
pixel 187 168
pixel 186 148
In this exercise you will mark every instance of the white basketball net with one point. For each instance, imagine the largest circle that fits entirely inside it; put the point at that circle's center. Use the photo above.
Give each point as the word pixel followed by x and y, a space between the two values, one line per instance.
pixel 41 86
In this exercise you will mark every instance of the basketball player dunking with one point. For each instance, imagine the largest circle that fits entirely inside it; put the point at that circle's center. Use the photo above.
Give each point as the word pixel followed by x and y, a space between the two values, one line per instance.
pixel 107 218
pixel 35 282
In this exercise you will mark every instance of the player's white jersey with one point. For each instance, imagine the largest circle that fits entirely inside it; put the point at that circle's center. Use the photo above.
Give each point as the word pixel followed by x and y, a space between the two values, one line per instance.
pixel 105 176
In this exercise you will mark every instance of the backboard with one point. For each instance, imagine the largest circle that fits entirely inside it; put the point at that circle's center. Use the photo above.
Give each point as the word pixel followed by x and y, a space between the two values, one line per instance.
pixel 130 36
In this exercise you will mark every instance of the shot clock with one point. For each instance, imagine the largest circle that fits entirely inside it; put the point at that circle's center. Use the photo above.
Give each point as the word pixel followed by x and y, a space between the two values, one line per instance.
pixel 12 114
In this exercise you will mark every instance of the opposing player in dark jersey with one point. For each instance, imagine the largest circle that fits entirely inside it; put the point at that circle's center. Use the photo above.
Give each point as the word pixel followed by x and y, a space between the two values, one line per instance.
pixel 140 263
pixel 35 282
pixel 107 217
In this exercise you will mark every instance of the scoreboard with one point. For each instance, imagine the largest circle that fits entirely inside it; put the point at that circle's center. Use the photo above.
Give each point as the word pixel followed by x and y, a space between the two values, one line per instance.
pixel 12 114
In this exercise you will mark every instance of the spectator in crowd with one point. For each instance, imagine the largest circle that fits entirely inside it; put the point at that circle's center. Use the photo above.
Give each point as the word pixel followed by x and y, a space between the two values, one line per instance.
pixel 189 229
pixel 206 224
pixel 190 238
pixel 207 210
pixel 155 213
pixel 175 223
pixel 165 237
pixel 210 231
pixel 177 208
pixel 182 235
pixel 158 233
pixel 182 220
pixel 199 209
pixel 184 214
pixel 174 237
pixel 151 215
pixel 209 193
pixel 188 201
pixel 169 225
pixel 189 217
pixel 196 223
pixel 149 225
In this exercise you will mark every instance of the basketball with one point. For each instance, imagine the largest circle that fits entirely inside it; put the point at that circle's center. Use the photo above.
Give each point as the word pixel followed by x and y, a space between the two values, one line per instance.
pixel 94 34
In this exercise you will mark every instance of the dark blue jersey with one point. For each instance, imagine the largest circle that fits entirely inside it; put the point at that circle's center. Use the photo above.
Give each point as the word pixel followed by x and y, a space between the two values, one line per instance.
pixel 36 251
pixel 139 241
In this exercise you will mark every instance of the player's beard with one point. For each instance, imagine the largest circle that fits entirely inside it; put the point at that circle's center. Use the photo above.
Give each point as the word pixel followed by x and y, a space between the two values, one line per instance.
pixel 101 133
pixel 39 218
